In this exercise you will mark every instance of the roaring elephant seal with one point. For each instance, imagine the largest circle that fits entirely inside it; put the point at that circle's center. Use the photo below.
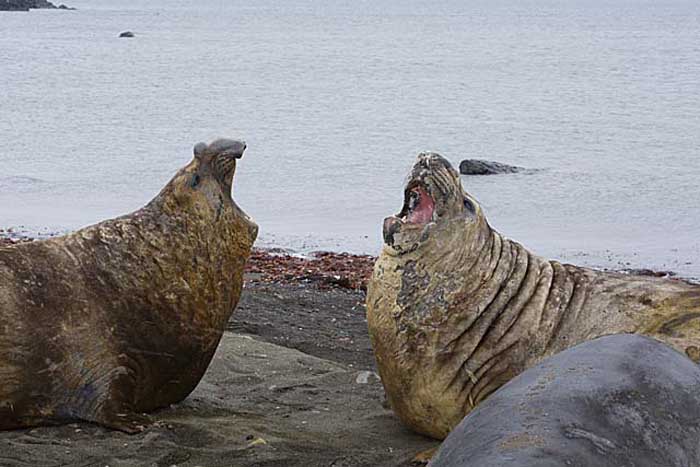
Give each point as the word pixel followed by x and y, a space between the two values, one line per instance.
pixel 624 400
pixel 123 317
pixel 455 310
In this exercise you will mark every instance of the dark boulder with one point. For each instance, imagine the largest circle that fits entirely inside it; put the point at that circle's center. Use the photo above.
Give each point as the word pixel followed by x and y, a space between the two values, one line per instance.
pixel 14 5
pixel 480 167
pixel 26 5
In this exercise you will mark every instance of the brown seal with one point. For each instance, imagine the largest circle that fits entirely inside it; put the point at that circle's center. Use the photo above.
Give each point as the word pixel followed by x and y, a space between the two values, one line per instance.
pixel 455 309
pixel 123 317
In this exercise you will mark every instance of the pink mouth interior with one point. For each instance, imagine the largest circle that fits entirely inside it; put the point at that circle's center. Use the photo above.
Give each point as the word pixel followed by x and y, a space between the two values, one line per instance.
pixel 422 212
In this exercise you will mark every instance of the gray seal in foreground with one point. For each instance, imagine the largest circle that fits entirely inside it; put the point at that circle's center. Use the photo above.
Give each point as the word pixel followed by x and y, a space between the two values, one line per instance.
pixel 455 309
pixel 624 400
pixel 123 317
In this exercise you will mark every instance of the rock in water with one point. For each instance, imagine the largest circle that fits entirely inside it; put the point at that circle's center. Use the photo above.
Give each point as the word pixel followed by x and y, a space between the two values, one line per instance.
pixel 455 309
pixel 479 167
pixel 123 317
pixel 15 5
pixel 616 400
pixel 26 5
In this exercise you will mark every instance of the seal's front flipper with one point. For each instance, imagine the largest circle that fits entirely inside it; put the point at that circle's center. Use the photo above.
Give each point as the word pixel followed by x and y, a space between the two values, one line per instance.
pixel 130 423
pixel 693 353
pixel 423 457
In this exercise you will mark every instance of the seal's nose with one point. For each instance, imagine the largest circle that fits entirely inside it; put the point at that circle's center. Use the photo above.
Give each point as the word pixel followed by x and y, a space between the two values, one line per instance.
pixel 238 150
pixel 227 148
pixel 431 159
pixel 390 227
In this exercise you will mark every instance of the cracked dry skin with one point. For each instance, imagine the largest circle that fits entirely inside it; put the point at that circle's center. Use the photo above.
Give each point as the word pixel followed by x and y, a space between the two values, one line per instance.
pixel 124 316
pixel 455 309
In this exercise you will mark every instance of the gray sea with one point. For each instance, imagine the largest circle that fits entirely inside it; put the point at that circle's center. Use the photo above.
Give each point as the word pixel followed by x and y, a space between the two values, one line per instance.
pixel 335 98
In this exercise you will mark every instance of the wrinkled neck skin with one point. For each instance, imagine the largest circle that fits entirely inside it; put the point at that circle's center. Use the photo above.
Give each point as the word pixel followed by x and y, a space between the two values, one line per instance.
pixel 455 310
pixel 425 280
pixel 470 309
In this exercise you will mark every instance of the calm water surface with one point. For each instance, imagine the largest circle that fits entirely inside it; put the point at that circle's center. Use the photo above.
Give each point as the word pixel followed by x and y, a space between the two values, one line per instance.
pixel 336 98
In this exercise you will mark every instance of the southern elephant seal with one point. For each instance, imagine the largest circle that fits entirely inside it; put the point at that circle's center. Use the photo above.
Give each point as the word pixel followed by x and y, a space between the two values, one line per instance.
pixel 123 317
pixel 455 310
pixel 623 400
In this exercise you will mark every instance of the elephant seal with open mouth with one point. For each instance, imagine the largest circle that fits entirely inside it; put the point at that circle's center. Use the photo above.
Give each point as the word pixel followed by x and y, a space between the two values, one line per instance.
pixel 624 400
pixel 123 317
pixel 455 310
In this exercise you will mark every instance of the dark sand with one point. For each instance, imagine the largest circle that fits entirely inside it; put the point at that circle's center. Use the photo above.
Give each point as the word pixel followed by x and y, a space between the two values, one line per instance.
pixel 292 384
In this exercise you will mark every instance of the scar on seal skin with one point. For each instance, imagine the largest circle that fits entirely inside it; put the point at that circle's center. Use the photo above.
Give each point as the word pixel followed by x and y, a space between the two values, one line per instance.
pixel 455 309
pixel 123 317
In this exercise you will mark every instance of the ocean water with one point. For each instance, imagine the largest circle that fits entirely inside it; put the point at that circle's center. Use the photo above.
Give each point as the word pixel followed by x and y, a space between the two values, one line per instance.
pixel 336 98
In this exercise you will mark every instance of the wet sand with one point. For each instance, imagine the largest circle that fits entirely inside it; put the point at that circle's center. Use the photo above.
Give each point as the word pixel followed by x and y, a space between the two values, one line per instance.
pixel 293 383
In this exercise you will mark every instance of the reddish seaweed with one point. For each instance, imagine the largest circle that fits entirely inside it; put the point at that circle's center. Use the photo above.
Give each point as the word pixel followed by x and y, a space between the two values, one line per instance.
pixel 326 269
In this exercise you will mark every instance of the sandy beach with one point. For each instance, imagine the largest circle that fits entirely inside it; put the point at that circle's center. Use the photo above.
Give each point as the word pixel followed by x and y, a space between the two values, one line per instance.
pixel 293 383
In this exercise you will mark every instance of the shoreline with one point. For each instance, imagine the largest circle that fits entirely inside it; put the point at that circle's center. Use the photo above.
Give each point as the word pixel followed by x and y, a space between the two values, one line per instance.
pixel 330 269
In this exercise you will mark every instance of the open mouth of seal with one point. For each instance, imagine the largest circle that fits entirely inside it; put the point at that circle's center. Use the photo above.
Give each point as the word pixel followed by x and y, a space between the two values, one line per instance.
pixel 419 205
pixel 417 213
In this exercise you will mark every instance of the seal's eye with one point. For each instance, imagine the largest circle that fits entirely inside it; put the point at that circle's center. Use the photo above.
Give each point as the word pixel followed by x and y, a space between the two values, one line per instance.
pixel 195 181
pixel 469 206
